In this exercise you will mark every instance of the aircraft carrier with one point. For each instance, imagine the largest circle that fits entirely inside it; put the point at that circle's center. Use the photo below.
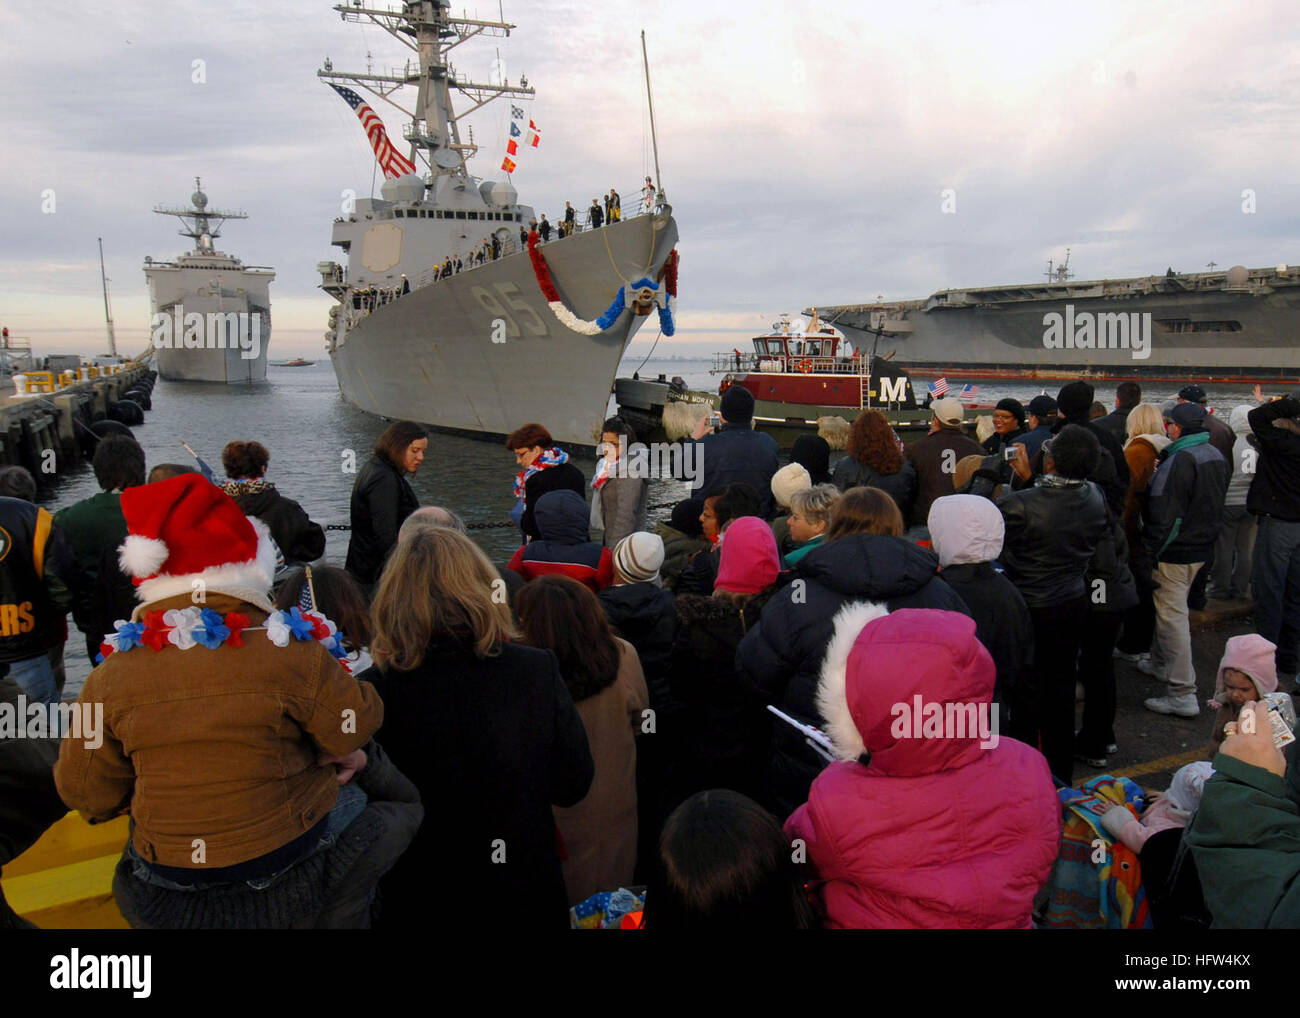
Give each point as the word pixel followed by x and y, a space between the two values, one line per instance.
pixel 1238 325
pixel 488 348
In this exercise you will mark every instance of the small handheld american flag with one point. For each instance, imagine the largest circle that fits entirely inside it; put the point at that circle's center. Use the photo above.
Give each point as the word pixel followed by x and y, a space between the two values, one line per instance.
pixel 939 387
pixel 392 162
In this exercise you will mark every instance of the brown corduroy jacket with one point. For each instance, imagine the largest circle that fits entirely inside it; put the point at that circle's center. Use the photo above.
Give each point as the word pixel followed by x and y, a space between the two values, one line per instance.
pixel 214 751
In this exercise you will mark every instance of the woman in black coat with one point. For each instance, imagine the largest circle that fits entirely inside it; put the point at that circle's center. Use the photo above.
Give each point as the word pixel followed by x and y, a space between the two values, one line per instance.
pixel 486 730
pixel 382 498
pixel 298 538
pixel 1008 427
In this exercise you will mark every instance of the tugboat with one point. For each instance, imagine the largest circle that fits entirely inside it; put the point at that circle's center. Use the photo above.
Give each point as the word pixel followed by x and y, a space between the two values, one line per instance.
pixel 803 382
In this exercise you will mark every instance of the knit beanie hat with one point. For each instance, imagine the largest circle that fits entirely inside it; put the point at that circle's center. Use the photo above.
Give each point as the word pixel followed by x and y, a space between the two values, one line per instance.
pixel 186 529
pixel 638 557
pixel 1251 654
pixel 1074 399
pixel 1192 393
pixel 1014 407
pixel 686 517
pixel 749 560
pixel 1188 784
pixel 789 479
pixel 737 405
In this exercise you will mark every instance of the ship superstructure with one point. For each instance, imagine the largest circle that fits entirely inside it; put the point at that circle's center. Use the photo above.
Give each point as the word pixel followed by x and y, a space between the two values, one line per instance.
pixel 483 348
pixel 211 312
pixel 1234 325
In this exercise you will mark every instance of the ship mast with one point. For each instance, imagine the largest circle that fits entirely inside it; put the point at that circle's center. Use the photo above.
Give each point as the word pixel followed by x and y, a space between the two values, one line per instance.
pixel 108 314
pixel 650 100
pixel 202 224
pixel 427 28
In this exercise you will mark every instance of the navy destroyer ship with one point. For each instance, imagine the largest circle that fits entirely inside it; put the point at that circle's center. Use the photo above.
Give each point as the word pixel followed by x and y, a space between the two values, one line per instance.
pixel 211 312
pixel 531 333
pixel 1237 325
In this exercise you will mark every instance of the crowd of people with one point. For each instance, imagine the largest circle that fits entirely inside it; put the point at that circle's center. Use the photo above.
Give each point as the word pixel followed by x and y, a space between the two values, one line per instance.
pixel 705 711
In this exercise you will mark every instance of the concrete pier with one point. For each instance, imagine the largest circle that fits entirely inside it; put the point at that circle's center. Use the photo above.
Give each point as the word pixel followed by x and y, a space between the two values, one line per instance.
pixel 44 430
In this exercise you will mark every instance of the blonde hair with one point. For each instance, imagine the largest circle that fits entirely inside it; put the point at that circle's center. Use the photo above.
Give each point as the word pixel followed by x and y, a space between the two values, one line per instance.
pixel 1145 419
pixel 815 504
pixel 436 580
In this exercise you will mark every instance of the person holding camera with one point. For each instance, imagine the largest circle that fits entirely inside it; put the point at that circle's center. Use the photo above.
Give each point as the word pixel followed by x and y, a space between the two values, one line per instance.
pixel 735 452
pixel 1008 426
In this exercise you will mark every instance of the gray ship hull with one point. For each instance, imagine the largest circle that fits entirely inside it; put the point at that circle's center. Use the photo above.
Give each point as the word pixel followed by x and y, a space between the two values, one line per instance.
pixel 430 356
pixel 233 305
pixel 229 365
pixel 1199 328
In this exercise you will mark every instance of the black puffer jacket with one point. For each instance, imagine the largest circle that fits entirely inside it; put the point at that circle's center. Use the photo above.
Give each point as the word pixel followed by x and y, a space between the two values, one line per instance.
pixel 996 442
pixel 1275 491
pixel 645 617
pixel 1052 532
pixel 381 501
pixel 1184 505
pixel 300 539
pixel 700 573
pixel 726 724
pixel 781 656
pixel 900 486
pixel 1002 621
pixel 564 477
pixel 679 549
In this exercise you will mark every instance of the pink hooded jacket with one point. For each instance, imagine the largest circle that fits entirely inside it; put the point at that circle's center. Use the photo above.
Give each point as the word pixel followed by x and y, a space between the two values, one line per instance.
pixel 933 832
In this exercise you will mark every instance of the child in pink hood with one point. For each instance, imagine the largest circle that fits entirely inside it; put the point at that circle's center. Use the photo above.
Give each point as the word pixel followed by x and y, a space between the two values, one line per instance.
pixel 913 827
pixel 1247 672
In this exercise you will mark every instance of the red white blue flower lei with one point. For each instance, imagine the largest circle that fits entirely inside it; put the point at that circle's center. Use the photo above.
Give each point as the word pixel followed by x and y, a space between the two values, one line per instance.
pixel 203 627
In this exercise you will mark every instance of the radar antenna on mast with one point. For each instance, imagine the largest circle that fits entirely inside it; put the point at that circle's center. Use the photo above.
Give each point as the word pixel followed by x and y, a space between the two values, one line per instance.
pixel 203 224
pixel 1059 273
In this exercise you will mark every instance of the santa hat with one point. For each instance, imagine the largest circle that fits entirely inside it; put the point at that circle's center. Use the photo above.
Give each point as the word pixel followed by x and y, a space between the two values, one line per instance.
pixel 186 529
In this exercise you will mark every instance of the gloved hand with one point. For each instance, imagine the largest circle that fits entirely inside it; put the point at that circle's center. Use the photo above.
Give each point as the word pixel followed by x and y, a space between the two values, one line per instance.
pixel 1114 819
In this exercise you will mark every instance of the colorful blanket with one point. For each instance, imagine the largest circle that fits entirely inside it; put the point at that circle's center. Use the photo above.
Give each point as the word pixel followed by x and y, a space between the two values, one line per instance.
pixel 1098 880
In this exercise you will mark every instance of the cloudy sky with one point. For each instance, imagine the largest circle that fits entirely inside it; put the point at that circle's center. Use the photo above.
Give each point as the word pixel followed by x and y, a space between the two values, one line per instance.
pixel 805 147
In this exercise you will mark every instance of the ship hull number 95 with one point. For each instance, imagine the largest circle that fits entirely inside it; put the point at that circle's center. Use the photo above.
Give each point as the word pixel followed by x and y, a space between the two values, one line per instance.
pixel 503 302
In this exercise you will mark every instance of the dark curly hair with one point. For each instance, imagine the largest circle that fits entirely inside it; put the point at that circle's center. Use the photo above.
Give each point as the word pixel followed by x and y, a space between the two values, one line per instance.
pixel 245 459
pixel 872 442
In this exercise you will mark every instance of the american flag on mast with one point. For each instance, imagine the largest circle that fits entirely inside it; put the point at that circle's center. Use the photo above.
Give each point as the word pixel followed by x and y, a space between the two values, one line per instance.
pixel 392 162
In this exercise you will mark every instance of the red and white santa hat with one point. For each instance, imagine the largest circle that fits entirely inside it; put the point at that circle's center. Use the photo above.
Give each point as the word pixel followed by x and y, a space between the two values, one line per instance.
pixel 186 528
